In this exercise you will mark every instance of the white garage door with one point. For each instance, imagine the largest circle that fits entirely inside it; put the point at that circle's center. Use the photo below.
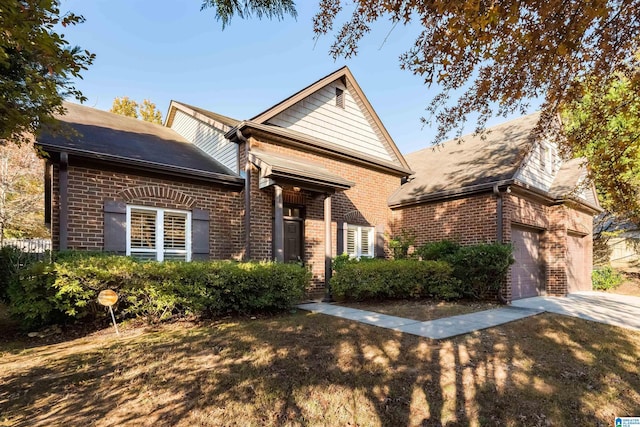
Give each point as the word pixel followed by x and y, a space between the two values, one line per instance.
pixel 527 272
pixel 577 272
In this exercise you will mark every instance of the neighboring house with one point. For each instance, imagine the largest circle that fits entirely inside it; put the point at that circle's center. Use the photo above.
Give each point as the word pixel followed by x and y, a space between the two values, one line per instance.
pixel 617 242
pixel 302 181
pixel 509 186
pixel 311 177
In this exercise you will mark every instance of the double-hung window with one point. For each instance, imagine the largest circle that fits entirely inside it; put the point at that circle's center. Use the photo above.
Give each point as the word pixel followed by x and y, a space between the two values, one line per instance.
pixel 158 234
pixel 360 241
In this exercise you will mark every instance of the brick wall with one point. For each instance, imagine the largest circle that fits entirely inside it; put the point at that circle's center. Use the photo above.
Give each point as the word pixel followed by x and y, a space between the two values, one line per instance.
pixel 368 196
pixel 473 220
pixel 90 186
pixel 466 220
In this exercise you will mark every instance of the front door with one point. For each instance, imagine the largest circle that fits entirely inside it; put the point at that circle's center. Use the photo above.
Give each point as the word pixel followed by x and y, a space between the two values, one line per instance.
pixel 292 240
pixel 293 233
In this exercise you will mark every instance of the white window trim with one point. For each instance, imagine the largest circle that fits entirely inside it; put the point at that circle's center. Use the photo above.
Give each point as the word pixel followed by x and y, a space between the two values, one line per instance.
pixel 159 251
pixel 359 229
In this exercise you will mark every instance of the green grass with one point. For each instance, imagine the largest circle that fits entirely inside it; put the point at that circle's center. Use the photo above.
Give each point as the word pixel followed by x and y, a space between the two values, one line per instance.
pixel 306 369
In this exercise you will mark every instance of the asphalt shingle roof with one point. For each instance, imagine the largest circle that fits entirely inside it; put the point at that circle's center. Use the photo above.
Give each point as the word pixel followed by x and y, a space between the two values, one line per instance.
pixel 104 135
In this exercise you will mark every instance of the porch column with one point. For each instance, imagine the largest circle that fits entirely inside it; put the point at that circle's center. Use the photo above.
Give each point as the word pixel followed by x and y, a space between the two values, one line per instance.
pixel 327 247
pixel 63 211
pixel 278 226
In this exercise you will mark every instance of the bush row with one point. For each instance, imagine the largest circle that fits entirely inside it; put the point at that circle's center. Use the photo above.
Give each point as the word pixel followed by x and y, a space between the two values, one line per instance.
pixel 442 270
pixel 67 288
pixel 375 279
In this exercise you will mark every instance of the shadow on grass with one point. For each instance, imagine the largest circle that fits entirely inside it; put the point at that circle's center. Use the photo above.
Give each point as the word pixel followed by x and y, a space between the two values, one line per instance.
pixel 309 369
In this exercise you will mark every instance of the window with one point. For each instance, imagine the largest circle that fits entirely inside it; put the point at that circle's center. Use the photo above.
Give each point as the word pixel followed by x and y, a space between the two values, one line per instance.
pixel 360 241
pixel 339 98
pixel 158 234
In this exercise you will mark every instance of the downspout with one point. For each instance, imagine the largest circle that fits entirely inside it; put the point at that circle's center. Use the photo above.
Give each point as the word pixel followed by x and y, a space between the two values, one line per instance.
pixel 499 234
pixel 499 209
pixel 247 196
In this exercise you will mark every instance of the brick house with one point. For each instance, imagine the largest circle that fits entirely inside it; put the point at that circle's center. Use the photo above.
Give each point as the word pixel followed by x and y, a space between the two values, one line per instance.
pixel 311 177
pixel 510 186
pixel 294 183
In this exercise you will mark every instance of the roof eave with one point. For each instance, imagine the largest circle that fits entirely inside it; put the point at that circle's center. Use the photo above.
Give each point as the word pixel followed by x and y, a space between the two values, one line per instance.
pixel 315 145
pixel 449 194
pixel 236 181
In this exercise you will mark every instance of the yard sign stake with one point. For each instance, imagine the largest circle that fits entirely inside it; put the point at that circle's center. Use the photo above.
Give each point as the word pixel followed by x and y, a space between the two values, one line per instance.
pixel 108 297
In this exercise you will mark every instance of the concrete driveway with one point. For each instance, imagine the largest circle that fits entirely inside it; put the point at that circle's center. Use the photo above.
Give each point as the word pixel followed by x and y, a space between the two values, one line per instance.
pixel 612 309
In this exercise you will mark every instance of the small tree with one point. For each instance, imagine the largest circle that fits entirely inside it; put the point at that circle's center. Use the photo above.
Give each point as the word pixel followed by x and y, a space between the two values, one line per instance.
pixel 21 195
pixel 125 107
pixel 149 112
pixel 146 111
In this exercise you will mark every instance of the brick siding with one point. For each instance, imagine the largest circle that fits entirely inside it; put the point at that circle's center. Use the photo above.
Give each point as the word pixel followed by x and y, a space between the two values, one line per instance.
pixel 90 185
pixel 473 220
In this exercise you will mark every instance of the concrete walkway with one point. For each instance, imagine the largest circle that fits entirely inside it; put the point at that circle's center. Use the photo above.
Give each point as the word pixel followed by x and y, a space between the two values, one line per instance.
pixel 437 329
pixel 611 309
pixel 602 307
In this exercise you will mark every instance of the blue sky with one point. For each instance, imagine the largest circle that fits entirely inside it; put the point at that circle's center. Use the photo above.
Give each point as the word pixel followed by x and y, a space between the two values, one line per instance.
pixel 169 49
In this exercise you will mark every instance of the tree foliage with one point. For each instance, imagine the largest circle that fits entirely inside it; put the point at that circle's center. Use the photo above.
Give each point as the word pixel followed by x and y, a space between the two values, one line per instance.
pixel 125 107
pixel 603 124
pixel 500 53
pixel 226 9
pixel 146 111
pixel 37 65
pixel 149 112
pixel 487 54
pixel 21 192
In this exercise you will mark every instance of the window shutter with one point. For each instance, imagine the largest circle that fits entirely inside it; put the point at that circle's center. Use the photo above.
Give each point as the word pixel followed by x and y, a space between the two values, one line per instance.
pixel 115 227
pixel 379 236
pixel 341 238
pixel 351 241
pixel 200 234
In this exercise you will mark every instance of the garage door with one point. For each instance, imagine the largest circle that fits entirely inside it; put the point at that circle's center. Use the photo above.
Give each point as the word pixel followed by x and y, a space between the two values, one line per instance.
pixel 527 272
pixel 577 272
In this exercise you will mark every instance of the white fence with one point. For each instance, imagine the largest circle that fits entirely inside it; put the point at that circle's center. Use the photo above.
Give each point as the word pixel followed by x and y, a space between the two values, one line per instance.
pixel 34 246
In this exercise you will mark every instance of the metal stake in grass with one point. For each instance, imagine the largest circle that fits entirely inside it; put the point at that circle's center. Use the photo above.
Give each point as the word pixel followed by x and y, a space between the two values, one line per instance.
pixel 107 298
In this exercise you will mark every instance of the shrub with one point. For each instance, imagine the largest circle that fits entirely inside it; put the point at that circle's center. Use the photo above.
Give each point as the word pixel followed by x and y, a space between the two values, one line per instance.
pixel 481 268
pixel 67 289
pixel 605 278
pixel 401 243
pixel 12 260
pixel 437 250
pixel 376 279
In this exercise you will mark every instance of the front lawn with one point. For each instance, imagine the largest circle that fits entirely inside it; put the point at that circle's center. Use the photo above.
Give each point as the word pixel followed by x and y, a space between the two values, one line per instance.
pixel 310 369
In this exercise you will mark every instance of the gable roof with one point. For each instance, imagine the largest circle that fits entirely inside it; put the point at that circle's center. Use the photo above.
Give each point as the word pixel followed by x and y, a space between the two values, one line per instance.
pixel 199 113
pixel 110 137
pixel 477 163
pixel 343 74
pixel 474 163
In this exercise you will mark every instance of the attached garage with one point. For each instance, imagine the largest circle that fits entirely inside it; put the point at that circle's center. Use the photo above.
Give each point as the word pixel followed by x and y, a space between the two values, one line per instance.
pixel 527 273
pixel 577 269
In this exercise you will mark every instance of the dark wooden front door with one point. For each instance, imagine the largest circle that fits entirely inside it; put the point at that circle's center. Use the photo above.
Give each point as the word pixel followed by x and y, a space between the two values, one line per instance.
pixel 292 240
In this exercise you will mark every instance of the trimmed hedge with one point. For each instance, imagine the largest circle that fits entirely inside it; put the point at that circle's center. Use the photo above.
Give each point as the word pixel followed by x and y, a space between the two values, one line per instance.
pixel 447 271
pixel 375 279
pixel 67 289
pixel 482 269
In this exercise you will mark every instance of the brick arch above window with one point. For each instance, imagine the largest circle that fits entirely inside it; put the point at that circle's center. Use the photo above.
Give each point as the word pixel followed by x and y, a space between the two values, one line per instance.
pixel 157 192
pixel 356 217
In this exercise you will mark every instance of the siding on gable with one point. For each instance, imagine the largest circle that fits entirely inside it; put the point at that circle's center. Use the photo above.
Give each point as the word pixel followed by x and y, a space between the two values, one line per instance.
pixel 207 138
pixel 540 172
pixel 318 116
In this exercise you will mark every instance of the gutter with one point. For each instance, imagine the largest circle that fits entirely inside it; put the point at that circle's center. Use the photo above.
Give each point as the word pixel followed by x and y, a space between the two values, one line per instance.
pixel 451 194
